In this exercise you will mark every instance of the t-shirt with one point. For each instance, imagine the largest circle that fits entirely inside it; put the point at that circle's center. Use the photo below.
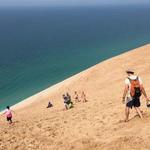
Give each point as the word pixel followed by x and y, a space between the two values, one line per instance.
pixel 66 99
pixel 8 113
pixel 127 82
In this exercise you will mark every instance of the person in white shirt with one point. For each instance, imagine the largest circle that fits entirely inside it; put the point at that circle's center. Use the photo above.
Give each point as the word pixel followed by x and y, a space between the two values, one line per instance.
pixel 132 94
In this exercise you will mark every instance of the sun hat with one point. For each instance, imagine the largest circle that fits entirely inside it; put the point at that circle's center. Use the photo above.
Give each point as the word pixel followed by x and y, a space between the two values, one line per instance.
pixel 129 71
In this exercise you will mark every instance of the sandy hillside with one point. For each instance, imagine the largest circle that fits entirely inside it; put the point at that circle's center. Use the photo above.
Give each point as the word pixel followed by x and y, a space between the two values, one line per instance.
pixel 95 125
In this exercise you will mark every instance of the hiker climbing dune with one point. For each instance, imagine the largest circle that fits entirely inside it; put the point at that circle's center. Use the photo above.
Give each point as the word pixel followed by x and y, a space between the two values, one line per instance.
pixel 133 90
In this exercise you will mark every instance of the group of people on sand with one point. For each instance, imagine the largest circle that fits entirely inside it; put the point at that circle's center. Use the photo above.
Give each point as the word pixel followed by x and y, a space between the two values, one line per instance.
pixel 68 102
pixel 81 98
pixel 131 97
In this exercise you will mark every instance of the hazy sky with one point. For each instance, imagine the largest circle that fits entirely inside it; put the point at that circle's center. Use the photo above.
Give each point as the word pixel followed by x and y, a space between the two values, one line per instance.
pixel 67 2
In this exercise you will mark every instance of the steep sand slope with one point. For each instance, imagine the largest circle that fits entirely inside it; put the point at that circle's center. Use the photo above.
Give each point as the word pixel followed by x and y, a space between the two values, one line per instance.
pixel 95 125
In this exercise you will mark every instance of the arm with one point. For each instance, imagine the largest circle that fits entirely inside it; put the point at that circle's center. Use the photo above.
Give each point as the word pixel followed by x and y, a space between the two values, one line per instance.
pixel 3 113
pixel 125 93
pixel 144 93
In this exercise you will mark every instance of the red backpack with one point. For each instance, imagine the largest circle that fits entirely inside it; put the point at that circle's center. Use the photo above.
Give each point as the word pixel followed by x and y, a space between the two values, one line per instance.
pixel 135 90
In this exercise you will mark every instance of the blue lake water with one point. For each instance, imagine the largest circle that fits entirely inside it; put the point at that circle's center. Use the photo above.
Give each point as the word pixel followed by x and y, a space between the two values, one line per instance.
pixel 43 46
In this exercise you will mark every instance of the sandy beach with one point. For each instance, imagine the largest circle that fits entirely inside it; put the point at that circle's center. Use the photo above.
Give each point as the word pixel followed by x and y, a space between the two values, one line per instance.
pixel 95 125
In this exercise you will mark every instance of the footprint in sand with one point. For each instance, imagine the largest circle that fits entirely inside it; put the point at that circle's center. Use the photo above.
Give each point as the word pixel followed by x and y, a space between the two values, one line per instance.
pixel 39 125
pixel 30 128
pixel 120 121
pixel 102 122
pixel 103 117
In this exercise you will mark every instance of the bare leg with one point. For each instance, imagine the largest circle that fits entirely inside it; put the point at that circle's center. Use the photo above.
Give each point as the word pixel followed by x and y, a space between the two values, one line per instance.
pixel 76 100
pixel 10 121
pixel 127 112
pixel 139 109
pixel 139 112
pixel 84 99
pixel 65 108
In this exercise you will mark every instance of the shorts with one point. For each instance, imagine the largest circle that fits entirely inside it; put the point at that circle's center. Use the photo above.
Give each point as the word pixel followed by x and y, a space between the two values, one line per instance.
pixel 68 106
pixel 9 118
pixel 135 102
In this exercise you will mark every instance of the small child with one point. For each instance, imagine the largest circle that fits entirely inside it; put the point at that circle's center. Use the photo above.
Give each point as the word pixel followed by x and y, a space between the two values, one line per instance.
pixel 49 105
pixel 83 96
pixel 8 114
pixel 76 97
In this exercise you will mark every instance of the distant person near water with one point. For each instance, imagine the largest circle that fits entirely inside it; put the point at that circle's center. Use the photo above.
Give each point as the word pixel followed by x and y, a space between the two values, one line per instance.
pixel 132 92
pixel 68 96
pixel 83 97
pixel 76 97
pixel 8 114
pixel 49 105
pixel 67 102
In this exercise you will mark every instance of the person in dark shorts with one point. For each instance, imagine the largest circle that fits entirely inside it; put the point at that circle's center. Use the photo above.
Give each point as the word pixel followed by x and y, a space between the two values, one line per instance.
pixel 8 114
pixel 67 102
pixel 132 92
pixel 135 102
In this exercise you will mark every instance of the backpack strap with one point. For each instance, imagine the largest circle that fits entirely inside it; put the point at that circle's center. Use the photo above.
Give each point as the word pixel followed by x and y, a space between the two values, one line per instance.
pixel 129 79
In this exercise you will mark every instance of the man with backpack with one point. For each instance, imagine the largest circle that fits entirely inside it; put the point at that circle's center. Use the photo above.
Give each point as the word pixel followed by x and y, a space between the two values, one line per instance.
pixel 132 92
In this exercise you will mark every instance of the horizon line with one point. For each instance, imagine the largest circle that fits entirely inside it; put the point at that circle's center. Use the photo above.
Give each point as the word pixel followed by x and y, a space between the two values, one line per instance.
pixel 73 5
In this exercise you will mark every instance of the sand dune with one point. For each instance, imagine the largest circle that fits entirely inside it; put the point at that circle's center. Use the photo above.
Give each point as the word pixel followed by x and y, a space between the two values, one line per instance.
pixel 95 125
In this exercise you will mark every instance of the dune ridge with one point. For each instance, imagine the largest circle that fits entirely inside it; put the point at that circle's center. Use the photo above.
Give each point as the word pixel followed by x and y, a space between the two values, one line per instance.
pixel 96 124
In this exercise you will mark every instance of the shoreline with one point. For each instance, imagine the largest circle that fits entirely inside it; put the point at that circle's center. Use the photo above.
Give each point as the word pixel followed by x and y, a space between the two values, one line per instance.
pixel 57 83
pixel 97 124
pixel 28 101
